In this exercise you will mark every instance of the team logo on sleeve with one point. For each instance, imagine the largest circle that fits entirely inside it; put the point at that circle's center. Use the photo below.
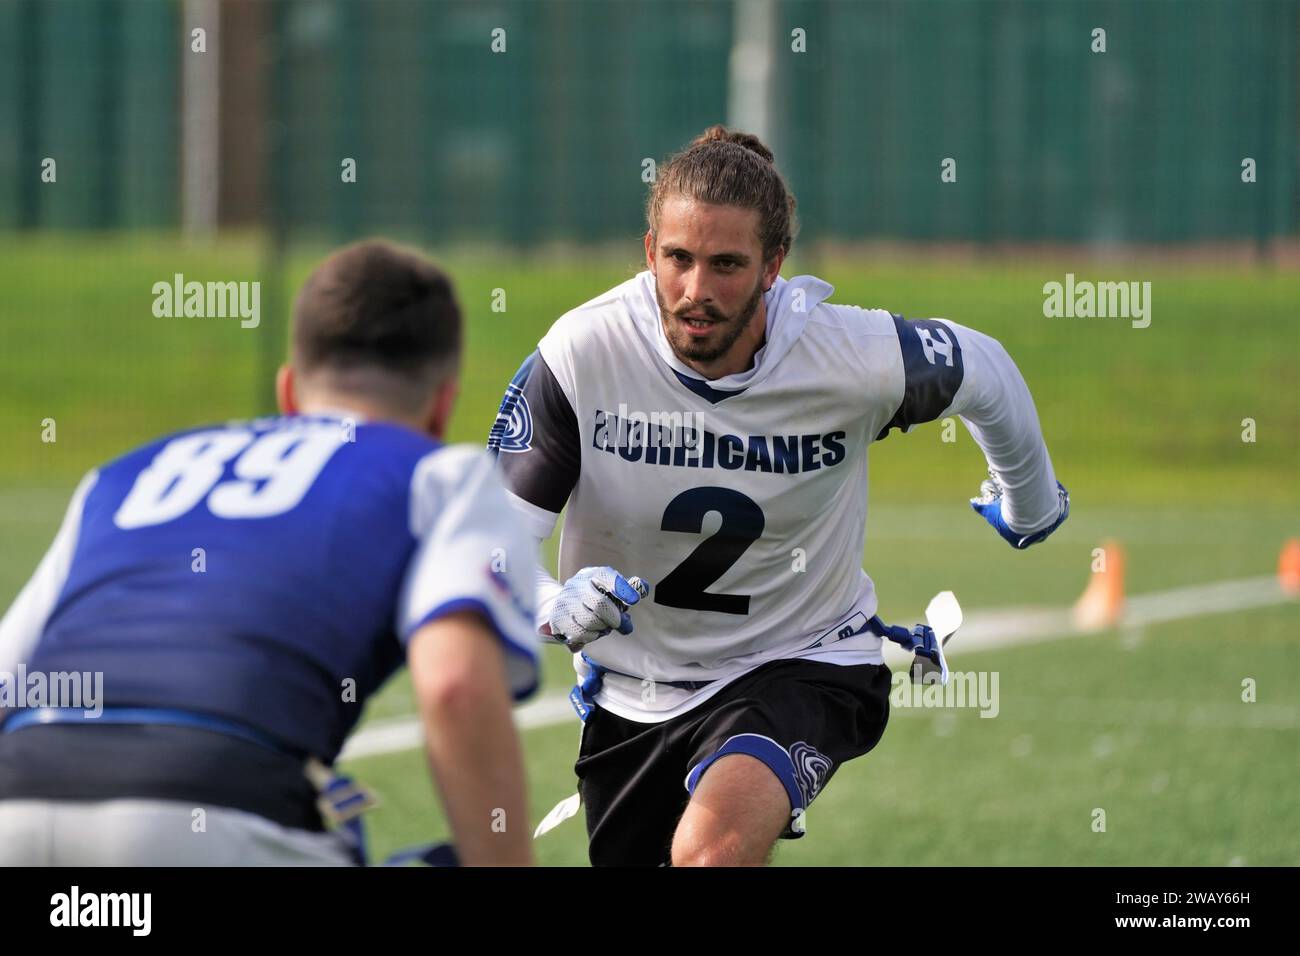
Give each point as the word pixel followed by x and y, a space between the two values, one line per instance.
pixel 931 348
pixel 811 768
pixel 513 429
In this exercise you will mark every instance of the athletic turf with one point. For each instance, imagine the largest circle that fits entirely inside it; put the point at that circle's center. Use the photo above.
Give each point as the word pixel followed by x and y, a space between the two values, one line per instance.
pixel 1145 428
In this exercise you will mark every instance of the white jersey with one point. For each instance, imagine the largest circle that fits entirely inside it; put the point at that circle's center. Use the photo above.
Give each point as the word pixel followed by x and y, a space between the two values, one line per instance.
pixel 742 500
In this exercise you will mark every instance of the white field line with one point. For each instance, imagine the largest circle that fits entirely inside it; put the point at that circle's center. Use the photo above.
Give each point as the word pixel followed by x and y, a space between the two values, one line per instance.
pixel 1003 627
pixel 1137 715
pixel 404 733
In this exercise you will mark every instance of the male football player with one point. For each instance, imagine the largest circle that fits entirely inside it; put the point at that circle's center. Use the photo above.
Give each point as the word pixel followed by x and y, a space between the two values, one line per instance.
pixel 707 423
pixel 243 589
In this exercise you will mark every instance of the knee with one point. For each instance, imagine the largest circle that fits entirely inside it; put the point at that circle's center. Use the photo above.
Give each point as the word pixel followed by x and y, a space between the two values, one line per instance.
pixel 695 854
pixel 724 849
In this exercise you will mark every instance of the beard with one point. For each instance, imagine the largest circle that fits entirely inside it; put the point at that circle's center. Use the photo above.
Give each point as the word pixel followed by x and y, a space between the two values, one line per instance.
pixel 722 336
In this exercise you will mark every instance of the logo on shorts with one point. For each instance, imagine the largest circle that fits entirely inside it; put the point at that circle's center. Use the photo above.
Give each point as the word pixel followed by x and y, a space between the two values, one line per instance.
pixel 513 429
pixel 811 768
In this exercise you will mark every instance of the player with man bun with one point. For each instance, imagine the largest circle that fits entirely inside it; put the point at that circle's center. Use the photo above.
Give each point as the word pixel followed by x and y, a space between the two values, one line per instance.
pixel 707 424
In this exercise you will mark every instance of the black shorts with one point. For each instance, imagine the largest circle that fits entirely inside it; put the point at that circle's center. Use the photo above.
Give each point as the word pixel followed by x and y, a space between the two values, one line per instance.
pixel 801 718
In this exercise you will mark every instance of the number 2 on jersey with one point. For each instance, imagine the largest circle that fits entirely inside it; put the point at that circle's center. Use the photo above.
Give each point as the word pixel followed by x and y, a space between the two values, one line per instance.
pixel 742 524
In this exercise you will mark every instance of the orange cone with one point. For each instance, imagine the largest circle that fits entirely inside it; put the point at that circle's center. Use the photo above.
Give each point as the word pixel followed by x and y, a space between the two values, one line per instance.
pixel 1102 602
pixel 1288 567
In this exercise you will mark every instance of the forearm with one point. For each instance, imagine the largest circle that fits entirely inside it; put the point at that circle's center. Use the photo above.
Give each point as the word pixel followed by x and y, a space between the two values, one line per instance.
pixel 474 755
pixel 458 670
pixel 547 590
pixel 1030 500
pixel 998 410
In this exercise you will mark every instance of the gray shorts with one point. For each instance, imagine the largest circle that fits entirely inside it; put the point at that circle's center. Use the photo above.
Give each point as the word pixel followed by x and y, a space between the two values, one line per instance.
pixel 154 833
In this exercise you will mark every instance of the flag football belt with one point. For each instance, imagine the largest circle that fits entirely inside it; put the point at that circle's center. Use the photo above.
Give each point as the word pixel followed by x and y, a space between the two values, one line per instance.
pixel 583 695
pixel 339 799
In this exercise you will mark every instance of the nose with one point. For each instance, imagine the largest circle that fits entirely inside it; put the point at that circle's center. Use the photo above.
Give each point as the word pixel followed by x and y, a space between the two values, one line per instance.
pixel 695 290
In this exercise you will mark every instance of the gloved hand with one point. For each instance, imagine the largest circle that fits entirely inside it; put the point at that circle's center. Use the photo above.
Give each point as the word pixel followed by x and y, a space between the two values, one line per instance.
pixel 989 504
pixel 923 642
pixel 592 603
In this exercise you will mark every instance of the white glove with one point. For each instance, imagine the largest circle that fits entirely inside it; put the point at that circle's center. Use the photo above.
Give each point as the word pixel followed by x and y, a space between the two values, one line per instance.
pixel 592 603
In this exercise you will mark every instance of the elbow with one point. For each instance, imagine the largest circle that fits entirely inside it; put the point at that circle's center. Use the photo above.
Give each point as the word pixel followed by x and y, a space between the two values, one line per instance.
pixel 451 699
pixel 457 669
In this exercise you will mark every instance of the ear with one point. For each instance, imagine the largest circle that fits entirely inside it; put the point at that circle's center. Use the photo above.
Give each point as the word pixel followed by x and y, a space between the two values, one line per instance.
pixel 438 414
pixel 650 250
pixel 772 269
pixel 284 391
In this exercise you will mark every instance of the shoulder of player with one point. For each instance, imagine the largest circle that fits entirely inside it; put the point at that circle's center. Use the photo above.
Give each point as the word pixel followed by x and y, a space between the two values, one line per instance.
pixel 591 319
pixel 389 439
pixel 141 454
pixel 852 320
pixel 865 340
pixel 443 474
pixel 397 437
pixel 872 328
pixel 585 331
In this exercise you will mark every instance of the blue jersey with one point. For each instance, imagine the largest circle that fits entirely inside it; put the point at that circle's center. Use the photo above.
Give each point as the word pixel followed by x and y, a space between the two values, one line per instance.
pixel 271 572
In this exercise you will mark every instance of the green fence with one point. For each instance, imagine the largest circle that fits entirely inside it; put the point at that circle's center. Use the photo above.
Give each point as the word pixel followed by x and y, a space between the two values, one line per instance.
pixel 546 140
pixel 91 84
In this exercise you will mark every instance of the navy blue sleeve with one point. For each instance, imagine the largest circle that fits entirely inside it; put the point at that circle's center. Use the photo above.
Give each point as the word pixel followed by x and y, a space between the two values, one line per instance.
pixel 535 437
pixel 932 371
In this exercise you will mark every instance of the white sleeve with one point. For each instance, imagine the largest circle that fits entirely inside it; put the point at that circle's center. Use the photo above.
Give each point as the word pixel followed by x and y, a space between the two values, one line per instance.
pixel 548 589
pixel 473 554
pixel 994 403
pixel 23 624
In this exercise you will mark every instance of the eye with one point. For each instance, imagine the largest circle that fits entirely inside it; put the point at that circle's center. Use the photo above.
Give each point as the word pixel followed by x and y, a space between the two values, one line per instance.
pixel 681 257
pixel 727 264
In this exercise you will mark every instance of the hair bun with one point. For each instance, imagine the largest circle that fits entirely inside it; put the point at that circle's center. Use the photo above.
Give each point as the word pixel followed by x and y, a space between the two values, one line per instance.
pixel 720 134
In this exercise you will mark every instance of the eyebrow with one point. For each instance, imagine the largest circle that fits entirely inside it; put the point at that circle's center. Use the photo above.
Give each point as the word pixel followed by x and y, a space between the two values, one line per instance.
pixel 740 257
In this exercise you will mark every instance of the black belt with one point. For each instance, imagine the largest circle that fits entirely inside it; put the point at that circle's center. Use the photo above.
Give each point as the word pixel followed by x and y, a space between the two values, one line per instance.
pixel 184 764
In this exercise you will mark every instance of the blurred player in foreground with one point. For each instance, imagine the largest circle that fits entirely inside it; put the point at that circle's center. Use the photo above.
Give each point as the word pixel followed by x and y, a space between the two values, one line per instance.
pixel 243 589
pixel 707 424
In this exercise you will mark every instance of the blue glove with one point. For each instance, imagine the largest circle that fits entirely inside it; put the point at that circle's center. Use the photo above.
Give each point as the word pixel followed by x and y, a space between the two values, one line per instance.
pixel 989 504
pixel 592 603
pixel 920 640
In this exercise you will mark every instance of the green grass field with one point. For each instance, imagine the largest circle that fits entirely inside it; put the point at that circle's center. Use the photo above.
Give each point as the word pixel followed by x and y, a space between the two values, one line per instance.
pixel 1152 730
pixel 1144 426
